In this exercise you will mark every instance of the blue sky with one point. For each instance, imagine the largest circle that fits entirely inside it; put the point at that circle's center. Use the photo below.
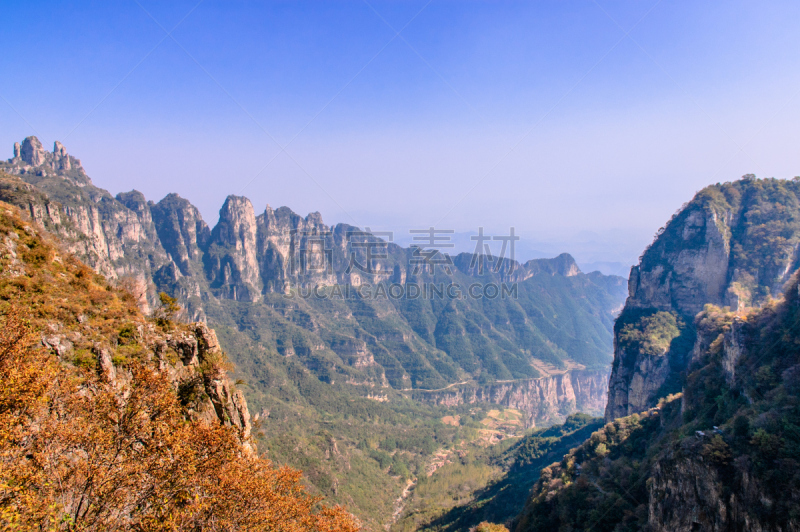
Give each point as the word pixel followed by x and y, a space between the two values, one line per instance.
pixel 583 124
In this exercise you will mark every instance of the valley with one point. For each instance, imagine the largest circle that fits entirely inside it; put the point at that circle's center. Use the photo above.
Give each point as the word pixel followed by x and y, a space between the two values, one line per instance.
pixel 350 390
pixel 546 409
pixel 416 266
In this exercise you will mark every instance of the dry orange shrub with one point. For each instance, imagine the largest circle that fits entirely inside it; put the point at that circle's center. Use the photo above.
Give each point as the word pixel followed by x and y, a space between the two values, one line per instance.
pixel 78 454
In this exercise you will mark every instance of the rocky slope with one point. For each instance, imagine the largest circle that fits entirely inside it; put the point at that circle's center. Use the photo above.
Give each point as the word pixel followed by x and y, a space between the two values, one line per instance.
pixel 113 421
pixel 188 355
pixel 722 455
pixel 734 245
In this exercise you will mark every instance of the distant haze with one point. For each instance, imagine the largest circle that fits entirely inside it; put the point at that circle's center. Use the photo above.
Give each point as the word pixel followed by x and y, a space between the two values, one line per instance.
pixel 583 125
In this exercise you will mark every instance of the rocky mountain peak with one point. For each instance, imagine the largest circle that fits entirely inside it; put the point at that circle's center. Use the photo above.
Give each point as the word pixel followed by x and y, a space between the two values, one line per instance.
pixel 735 245
pixel 236 208
pixel 233 261
pixel 30 157
pixel 134 200
pixel 314 218
pixel 563 265
pixel 182 231
pixel 32 151
pixel 59 149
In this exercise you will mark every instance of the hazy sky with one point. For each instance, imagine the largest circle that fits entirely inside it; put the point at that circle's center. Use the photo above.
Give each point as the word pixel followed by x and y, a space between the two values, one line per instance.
pixel 583 124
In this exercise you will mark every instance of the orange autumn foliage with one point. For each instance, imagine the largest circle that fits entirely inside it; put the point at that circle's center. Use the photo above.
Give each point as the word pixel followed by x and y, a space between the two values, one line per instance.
pixel 77 453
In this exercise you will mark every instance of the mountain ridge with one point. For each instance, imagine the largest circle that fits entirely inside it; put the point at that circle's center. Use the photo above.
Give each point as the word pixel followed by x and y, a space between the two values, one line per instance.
pixel 734 244
pixel 113 421
pixel 166 246
pixel 326 377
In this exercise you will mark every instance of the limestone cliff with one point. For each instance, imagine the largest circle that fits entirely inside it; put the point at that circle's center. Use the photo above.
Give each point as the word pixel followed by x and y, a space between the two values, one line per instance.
pixel 733 245
pixel 231 262
pixel 690 491
pixel 182 232
pixel 546 400
pixel 95 325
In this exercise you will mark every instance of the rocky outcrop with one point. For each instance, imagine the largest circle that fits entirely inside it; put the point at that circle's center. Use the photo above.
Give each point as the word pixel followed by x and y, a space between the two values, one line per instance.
pixel 229 403
pixel 195 370
pixel 232 262
pixel 30 157
pixel 632 389
pixel 689 490
pixel 182 232
pixel 732 349
pixel 546 400
pixel 730 246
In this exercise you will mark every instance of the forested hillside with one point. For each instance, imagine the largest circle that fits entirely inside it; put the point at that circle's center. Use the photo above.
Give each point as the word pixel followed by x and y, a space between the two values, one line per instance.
pixel 110 420
pixel 722 455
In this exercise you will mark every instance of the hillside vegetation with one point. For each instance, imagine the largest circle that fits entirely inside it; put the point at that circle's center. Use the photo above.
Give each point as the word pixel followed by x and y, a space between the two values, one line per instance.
pixel 490 483
pixel 100 428
pixel 724 455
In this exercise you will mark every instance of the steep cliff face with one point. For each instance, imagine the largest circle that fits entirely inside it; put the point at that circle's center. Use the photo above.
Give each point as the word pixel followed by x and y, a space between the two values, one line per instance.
pixel 95 325
pixel 546 400
pixel 690 491
pixel 722 455
pixel 231 262
pixel 734 245
pixel 182 232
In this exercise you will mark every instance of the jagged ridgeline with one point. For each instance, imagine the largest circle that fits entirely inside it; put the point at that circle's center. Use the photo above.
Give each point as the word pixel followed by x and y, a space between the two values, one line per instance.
pixel 112 421
pixel 734 245
pixel 246 275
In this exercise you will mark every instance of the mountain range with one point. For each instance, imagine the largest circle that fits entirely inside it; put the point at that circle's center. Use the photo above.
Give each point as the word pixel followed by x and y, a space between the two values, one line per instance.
pixel 392 403
pixel 251 269
pixel 337 381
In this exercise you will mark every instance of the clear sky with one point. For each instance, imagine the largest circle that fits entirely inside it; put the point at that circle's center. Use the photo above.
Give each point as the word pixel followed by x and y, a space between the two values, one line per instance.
pixel 584 124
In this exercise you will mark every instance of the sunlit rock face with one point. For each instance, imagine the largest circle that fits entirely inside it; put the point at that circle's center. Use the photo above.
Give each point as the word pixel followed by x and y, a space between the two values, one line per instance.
pixel 543 401
pixel 735 245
